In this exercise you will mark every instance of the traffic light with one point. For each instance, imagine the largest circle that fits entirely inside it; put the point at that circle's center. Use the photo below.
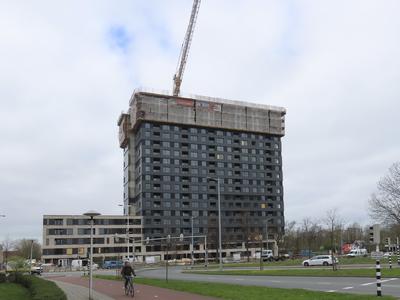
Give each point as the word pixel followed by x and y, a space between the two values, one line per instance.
pixel 168 238
pixel 181 238
pixel 387 241
pixel 375 234
pixel 87 255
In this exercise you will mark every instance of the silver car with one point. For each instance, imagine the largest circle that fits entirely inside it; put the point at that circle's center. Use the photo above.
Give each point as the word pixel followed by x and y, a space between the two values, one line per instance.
pixel 320 260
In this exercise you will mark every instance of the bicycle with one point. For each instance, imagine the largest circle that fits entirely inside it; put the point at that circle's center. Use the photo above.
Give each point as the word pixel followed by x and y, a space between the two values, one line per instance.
pixel 129 287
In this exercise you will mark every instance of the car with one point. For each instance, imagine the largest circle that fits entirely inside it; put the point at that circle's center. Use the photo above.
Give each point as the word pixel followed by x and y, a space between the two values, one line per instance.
pixel 320 260
pixel 386 255
pixel 113 264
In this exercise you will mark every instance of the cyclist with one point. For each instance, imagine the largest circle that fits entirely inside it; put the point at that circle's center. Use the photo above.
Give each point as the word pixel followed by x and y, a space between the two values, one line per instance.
pixel 126 273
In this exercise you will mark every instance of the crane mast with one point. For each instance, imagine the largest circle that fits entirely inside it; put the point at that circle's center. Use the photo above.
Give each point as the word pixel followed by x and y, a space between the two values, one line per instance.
pixel 185 49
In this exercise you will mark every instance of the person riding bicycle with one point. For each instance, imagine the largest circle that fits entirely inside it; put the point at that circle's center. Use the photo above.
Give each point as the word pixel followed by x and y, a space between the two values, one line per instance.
pixel 126 272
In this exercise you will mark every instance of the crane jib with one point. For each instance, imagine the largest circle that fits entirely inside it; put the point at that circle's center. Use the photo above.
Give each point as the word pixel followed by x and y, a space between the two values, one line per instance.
pixel 185 48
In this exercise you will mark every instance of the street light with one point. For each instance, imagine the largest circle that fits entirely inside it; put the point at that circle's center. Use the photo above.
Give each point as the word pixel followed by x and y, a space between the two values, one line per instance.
pixel 192 240
pixel 0 228
pixel 266 231
pixel 127 232
pixel 91 214
pixel 30 264
pixel 219 221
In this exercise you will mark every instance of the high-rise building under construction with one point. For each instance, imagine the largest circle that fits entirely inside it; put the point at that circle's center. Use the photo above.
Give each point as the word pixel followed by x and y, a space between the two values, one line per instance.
pixel 183 155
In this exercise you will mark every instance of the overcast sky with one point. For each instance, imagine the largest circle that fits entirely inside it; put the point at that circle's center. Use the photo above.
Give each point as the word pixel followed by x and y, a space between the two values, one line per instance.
pixel 68 68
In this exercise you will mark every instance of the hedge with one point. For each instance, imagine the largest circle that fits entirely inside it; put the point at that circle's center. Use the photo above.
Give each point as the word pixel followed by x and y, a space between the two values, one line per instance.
pixel 3 277
pixel 41 289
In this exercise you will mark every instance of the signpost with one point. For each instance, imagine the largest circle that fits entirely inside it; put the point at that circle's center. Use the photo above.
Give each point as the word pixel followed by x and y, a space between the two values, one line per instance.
pixel 376 255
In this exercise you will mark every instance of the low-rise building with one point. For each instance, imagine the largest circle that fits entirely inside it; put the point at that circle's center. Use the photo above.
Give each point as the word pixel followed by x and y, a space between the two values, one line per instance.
pixel 67 237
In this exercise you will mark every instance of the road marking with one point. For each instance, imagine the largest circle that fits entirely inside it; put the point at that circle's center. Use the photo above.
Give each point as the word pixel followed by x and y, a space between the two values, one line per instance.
pixel 348 288
pixel 331 291
pixel 369 283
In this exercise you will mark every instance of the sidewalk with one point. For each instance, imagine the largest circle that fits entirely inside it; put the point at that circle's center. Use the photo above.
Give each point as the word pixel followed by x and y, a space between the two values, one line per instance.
pixel 76 292
pixel 77 288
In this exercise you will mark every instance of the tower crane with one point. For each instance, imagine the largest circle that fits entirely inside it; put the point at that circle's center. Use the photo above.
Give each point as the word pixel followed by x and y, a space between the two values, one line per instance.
pixel 185 49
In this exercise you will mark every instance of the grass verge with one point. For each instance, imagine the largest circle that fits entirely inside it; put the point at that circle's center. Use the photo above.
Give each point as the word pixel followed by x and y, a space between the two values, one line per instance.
pixel 298 262
pixel 328 272
pixel 13 291
pixel 238 292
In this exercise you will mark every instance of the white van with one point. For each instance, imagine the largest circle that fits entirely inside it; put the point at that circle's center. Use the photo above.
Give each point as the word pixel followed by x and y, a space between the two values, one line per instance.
pixel 79 263
pixel 357 253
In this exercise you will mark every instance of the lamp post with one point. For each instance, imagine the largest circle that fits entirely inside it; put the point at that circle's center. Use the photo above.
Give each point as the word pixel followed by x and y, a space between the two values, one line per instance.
pixel 266 231
pixel 3 216
pixel 91 214
pixel 127 232
pixel 30 264
pixel 219 221
pixel 1 265
pixel 192 241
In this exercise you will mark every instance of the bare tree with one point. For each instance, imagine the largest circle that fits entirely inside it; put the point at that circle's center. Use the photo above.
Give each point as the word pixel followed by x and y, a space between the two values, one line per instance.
pixel 384 204
pixel 23 246
pixel 288 242
pixel 354 232
pixel 248 236
pixel 8 245
pixel 213 235
pixel 310 232
pixel 333 222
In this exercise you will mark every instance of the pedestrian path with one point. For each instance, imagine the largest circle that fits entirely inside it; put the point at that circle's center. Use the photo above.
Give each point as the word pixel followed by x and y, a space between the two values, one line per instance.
pixel 77 288
pixel 76 292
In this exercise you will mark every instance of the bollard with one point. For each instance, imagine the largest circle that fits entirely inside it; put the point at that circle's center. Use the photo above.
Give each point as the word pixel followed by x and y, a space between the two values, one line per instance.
pixel 378 279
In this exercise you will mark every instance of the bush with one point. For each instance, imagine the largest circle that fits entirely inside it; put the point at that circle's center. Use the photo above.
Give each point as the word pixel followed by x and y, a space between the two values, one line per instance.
pixel 3 277
pixel 41 289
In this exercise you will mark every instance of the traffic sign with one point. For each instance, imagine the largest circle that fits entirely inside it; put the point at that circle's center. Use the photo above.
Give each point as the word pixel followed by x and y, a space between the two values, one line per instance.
pixel 376 255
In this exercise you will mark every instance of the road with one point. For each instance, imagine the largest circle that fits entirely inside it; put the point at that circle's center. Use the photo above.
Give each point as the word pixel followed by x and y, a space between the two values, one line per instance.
pixel 355 285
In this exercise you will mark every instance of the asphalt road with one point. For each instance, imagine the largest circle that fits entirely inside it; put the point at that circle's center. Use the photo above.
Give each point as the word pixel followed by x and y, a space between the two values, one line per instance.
pixel 356 285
